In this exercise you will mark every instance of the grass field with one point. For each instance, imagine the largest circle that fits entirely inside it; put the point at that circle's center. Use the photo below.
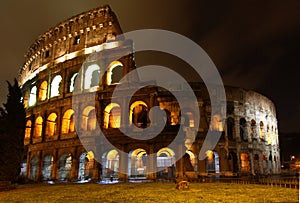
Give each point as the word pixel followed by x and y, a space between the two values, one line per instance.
pixel 149 192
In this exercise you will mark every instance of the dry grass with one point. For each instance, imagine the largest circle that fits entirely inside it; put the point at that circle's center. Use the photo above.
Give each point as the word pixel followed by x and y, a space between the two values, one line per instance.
pixel 149 192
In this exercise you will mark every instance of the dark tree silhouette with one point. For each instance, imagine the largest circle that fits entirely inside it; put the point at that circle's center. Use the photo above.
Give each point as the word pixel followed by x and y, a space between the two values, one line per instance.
pixel 12 129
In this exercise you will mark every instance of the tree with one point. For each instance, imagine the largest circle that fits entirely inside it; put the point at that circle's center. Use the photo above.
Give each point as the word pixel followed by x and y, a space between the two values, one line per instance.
pixel 12 129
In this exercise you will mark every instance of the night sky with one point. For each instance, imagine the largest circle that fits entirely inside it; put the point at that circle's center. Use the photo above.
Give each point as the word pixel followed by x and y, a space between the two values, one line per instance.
pixel 254 44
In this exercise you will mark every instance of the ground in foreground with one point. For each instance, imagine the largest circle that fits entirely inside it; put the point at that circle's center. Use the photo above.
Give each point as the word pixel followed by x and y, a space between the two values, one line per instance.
pixel 149 192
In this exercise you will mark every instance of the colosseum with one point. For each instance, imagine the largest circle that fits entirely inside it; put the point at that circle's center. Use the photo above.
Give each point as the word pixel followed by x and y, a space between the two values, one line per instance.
pixel 249 135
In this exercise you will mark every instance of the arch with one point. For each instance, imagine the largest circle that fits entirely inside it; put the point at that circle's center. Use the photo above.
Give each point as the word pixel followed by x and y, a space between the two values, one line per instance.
pixel 88 121
pixel 110 165
pixel 72 82
pixel 114 72
pixel 256 165
pixel 92 76
pixel 261 130
pixel 243 134
pixel 43 91
pixel 245 162
pixel 112 116
pixel 34 168
pixel 47 167
pixel 216 123
pixel 38 127
pixel 137 163
pixel 65 164
pixel 138 114
pixel 230 128
pixel 269 137
pixel 51 125
pixel 56 86
pixel 68 122
pixel 192 159
pixel 212 162
pixel 28 130
pixel 32 96
pixel 165 163
pixel 253 128
pixel 233 165
pixel 86 165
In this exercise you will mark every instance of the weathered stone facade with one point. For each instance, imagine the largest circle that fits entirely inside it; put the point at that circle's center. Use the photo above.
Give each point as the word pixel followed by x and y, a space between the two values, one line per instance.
pixel 248 145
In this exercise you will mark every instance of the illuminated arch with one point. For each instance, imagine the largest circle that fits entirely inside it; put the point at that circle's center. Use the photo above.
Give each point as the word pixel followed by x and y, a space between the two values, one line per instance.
pixel 193 159
pixel 137 163
pixel 110 165
pixel 65 164
pixel 245 162
pixel 43 91
pixel 216 123
pixel 72 82
pixel 68 122
pixel 34 167
pixel 253 128
pixel 47 167
pixel 86 165
pixel 28 130
pixel 89 120
pixel 56 86
pixel 51 125
pixel 114 73
pixel 112 116
pixel 32 96
pixel 138 114
pixel 212 162
pixel 92 76
pixel 25 100
pixel 38 127
pixel 165 163
pixel 261 130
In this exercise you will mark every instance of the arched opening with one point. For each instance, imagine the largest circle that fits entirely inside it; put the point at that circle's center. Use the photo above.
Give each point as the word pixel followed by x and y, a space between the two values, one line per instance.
pixel 38 127
pixel 43 91
pixel 264 164
pixel 212 162
pixel 28 130
pixel 51 125
pixel 192 159
pixel 56 86
pixel 47 167
pixel 253 128
pixel 137 163
pixel 165 163
pixel 230 128
pixel 216 123
pixel 86 165
pixel 256 164
pixel 245 163
pixel 34 168
pixel 92 76
pixel 110 165
pixel 243 132
pixel 139 114
pixel 89 120
pixel 112 116
pixel 233 163
pixel 68 122
pixel 65 164
pixel 72 82
pixel 32 96
pixel 261 130
pixel 114 73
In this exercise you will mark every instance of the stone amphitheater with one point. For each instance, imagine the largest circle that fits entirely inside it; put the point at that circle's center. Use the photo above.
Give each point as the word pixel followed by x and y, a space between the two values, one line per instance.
pixel 249 134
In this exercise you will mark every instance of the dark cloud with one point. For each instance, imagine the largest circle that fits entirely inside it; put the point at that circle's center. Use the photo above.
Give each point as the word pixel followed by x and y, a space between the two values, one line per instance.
pixel 253 43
